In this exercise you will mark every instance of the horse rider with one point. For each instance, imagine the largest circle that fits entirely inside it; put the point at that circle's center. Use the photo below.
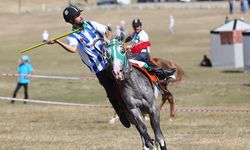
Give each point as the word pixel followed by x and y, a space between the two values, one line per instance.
pixel 140 49
pixel 86 44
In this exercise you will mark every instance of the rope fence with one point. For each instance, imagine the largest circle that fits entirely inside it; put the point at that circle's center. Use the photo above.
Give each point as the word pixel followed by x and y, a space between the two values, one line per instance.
pixel 189 110
pixel 48 77
pixel 190 82
pixel 53 102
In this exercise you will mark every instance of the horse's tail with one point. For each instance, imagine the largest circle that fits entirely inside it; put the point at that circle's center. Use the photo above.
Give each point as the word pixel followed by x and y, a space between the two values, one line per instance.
pixel 180 74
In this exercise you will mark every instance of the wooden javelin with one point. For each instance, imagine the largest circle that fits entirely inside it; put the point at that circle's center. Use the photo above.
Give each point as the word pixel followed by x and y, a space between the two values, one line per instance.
pixel 44 43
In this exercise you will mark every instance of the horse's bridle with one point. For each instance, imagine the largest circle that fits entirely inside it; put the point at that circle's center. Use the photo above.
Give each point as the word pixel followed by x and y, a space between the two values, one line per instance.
pixel 121 55
pixel 127 68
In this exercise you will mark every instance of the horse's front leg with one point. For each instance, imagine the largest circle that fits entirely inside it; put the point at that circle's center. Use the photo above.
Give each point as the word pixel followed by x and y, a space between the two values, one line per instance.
pixel 142 129
pixel 155 123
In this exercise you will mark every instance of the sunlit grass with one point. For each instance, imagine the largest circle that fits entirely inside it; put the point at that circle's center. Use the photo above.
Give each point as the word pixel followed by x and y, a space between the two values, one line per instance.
pixel 40 126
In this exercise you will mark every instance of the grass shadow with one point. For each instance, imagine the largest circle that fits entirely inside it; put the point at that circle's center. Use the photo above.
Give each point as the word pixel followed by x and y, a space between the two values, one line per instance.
pixel 233 71
pixel 246 84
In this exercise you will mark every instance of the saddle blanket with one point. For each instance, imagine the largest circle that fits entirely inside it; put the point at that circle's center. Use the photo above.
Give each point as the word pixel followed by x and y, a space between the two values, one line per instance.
pixel 139 63
pixel 144 68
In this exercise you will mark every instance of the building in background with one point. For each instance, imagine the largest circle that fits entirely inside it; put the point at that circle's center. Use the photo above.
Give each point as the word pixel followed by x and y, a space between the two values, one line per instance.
pixel 227 44
pixel 246 50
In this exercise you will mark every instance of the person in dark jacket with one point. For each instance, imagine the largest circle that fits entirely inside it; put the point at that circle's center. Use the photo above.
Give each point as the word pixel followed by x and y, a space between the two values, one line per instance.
pixel 205 62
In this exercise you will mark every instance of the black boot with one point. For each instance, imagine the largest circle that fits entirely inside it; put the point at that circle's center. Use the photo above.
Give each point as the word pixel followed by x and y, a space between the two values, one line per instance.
pixel 163 74
pixel 169 72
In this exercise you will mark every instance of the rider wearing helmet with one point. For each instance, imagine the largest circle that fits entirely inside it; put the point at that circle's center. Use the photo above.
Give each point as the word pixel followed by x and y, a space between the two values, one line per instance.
pixel 140 49
pixel 137 39
pixel 88 45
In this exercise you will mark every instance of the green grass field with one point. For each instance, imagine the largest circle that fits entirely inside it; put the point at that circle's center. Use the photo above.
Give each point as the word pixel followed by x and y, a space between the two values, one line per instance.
pixel 40 126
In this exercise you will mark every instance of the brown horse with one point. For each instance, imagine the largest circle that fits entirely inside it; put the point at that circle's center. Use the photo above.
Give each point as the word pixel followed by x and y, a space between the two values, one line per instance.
pixel 166 94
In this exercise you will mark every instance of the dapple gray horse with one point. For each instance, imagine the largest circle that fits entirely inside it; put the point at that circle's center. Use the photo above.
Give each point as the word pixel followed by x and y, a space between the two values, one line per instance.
pixel 137 93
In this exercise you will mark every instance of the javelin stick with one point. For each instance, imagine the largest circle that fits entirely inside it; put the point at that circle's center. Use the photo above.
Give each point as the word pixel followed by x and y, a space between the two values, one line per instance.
pixel 44 43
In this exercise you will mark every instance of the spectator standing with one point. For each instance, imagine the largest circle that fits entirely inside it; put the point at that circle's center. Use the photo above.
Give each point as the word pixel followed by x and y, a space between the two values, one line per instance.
pixel 24 69
pixel 121 32
pixel 231 6
pixel 45 35
pixel 171 24
pixel 243 7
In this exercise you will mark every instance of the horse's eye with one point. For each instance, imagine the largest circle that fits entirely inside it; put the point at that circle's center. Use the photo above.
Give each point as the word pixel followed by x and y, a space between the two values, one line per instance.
pixel 122 51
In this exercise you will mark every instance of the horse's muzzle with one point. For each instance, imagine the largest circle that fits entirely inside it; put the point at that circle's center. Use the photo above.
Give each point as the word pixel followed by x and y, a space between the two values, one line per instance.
pixel 118 75
pixel 117 70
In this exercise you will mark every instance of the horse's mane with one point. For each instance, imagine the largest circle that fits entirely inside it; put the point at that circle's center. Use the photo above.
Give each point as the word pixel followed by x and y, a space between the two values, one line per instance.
pixel 180 74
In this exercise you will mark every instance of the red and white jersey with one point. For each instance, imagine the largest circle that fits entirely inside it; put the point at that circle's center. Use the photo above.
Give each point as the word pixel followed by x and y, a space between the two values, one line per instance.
pixel 137 38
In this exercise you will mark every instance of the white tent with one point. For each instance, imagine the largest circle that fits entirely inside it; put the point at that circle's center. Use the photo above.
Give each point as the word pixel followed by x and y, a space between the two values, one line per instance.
pixel 124 2
pixel 226 44
pixel 246 49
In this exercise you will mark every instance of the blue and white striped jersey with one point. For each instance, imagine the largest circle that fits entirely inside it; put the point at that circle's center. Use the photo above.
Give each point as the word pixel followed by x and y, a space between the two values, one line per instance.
pixel 89 47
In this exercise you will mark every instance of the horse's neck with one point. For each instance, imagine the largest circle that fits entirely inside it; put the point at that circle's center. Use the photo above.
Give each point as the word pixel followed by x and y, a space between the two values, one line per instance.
pixel 133 77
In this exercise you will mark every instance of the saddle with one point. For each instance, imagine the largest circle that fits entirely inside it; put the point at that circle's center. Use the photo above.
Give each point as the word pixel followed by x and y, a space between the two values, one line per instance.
pixel 153 78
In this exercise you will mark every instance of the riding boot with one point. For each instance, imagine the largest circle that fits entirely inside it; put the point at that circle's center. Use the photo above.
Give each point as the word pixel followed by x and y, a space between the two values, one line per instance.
pixel 169 72
pixel 163 74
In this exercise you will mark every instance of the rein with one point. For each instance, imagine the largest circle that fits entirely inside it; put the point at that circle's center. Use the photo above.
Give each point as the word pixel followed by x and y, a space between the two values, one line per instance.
pixel 127 68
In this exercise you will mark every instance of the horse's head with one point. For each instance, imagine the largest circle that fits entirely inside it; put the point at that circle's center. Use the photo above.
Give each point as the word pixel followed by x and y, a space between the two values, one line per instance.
pixel 118 59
